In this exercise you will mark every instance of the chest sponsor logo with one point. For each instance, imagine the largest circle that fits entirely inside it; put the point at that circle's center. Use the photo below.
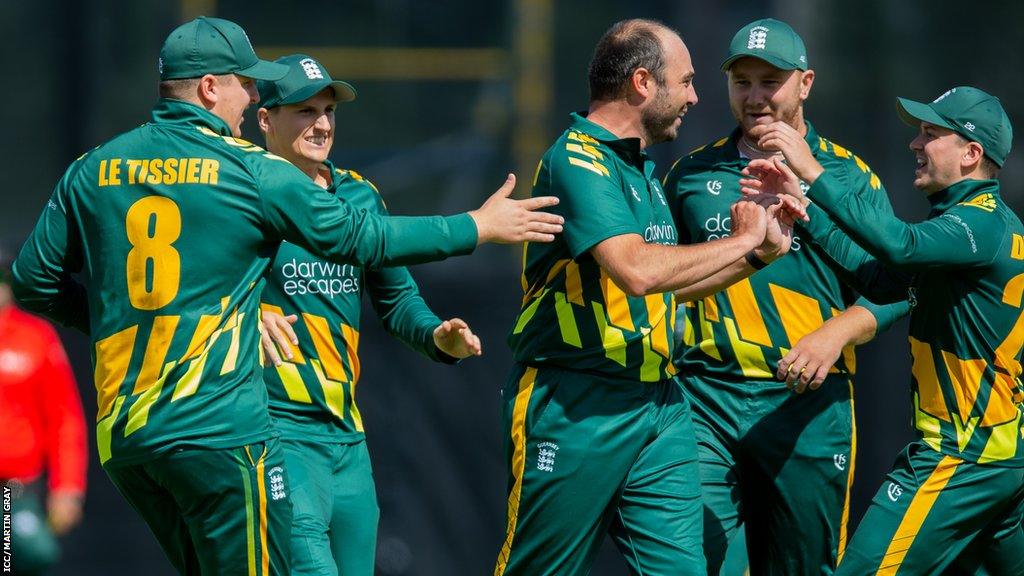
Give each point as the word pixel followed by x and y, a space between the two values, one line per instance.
pixel 319 277
pixel 720 226
pixel 275 477
pixel 714 187
pixel 894 491
pixel 546 452
pixel 660 233
pixel 636 195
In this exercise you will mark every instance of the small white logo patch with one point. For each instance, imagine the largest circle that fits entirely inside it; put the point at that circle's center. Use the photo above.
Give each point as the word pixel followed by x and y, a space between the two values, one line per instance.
pixel 546 452
pixel 636 195
pixel 276 477
pixel 714 187
pixel 894 491
pixel 312 71
pixel 840 461
pixel 758 36
pixel 969 126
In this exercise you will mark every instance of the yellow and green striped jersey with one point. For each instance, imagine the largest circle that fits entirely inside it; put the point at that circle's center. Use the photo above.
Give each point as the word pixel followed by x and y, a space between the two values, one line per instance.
pixel 963 269
pixel 742 332
pixel 573 315
pixel 313 395
pixel 168 230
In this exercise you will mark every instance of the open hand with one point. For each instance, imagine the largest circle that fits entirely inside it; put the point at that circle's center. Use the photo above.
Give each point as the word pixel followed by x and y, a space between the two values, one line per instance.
pixel 64 511
pixel 504 220
pixel 784 138
pixel 277 336
pixel 454 338
pixel 772 177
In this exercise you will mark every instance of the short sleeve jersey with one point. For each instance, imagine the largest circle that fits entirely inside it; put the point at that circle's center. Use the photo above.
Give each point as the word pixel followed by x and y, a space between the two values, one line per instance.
pixel 573 315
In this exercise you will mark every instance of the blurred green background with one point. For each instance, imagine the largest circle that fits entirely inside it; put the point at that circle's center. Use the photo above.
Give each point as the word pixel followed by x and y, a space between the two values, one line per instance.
pixel 452 95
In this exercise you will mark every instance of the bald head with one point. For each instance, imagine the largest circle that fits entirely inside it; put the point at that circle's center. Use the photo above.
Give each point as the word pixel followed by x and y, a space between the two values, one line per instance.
pixel 626 46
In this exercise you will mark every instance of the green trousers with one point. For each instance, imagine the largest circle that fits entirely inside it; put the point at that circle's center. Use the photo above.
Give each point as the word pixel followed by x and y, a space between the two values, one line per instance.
pixel 591 456
pixel 937 514
pixel 779 465
pixel 334 526
pixel 223 512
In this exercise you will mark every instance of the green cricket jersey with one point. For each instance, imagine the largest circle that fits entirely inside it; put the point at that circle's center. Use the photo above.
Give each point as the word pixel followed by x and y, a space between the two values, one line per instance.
pixel 169 229
pixel 963 269
pixel 743 331
pixel 313 395
pixel 573 315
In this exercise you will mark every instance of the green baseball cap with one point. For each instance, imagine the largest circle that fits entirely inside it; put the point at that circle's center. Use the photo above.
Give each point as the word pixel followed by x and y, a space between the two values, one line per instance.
pixel 972 113
pixel 305 78
pixel 770 40
pixel 213 46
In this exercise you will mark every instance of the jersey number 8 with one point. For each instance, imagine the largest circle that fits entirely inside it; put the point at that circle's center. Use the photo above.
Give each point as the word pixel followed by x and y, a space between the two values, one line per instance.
pixel 154 266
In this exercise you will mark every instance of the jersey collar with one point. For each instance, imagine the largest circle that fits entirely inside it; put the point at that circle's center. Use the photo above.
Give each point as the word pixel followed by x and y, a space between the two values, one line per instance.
pixel 960 192
pixel 626 148
pixel 181 113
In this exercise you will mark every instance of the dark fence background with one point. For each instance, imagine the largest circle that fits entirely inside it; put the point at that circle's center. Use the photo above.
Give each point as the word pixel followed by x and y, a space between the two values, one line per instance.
pixel 452 94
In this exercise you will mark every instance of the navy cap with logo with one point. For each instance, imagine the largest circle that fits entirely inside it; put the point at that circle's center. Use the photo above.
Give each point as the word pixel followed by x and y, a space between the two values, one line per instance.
pixel 305 78
pixel 770 40
pixel 972 113
pixel 213 46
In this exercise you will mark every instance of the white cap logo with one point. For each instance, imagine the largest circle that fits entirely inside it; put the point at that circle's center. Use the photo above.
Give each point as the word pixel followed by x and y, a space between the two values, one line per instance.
pixel 160 65
pixel 312 71
pixel 944 94
pixel 969 126
pixel 758 36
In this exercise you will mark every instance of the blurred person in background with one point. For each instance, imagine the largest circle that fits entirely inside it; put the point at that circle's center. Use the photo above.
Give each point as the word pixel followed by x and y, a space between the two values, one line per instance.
pixel 312 391
pixel 770 459
pixel 44 432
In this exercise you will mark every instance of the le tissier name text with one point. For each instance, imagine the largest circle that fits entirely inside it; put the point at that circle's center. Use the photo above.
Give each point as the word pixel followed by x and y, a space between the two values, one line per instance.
pixel 120 171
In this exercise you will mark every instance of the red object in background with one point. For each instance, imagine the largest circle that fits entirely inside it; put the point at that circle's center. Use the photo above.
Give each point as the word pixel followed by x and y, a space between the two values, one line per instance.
pixel 40 409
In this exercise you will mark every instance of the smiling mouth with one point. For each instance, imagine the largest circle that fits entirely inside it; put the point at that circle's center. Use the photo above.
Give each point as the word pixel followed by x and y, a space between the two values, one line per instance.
pixel 317 140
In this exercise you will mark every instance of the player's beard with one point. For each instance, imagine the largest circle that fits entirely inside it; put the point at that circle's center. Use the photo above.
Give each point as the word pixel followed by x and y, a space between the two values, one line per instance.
pixel 659 119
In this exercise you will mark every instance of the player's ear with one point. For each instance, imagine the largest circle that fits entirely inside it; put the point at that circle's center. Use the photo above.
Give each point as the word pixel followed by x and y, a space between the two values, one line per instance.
pixel 806 81
pixel 973 153
pixel 642 82
pixel 208 90
pixel 263 119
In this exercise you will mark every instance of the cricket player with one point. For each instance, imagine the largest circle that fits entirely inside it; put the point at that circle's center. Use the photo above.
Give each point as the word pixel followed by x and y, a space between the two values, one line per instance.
pixel 312 391
pixel 169 229
pixel 770 461
pixel 599 437
pixel 954 499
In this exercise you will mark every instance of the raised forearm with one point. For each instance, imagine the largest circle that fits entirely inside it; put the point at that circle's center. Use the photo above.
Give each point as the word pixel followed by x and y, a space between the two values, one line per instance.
pixel 700 267
pixel 731 274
